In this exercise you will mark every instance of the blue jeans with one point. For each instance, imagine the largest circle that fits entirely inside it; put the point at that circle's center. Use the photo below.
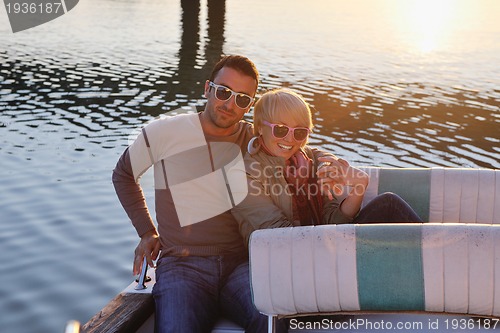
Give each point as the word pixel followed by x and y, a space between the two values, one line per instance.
pixel 192 292
pixel 387 208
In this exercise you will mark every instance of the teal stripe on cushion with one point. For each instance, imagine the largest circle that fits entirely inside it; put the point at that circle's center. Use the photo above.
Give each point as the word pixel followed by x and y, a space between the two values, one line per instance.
pixel 413 185
pixel 389 267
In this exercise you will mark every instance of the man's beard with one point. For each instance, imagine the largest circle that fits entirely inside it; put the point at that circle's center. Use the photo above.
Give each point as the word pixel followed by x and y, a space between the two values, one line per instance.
pixel 219 119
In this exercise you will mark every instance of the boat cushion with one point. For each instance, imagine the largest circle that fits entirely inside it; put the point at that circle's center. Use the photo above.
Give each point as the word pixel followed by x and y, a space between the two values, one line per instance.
pixel 447 195
pixel 435 267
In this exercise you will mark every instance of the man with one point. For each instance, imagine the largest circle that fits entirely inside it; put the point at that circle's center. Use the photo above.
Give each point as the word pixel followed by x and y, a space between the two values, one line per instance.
pixel 203 269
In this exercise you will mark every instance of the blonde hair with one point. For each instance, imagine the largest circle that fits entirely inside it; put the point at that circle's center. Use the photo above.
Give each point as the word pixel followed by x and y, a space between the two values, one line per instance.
pixel 280 105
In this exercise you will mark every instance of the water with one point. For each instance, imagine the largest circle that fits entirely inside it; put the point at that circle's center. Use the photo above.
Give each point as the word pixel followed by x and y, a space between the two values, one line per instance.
pixel 393 83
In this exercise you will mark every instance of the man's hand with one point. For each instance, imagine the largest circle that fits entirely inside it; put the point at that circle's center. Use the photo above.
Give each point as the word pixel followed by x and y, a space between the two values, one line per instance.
pixel 148 247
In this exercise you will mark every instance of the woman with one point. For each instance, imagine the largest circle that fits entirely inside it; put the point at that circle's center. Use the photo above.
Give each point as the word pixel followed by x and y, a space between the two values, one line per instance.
pixel 290 184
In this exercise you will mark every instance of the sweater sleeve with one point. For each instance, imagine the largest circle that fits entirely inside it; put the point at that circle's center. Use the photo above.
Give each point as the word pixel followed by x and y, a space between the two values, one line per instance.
pixel 332 213
pixel 131 195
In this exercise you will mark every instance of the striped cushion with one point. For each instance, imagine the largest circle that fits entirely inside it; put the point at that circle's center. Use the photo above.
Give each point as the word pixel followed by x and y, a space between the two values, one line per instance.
pixel 453 268
pixel 442 194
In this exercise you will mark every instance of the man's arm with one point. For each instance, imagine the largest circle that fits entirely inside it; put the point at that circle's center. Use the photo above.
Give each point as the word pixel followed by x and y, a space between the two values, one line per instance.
pixel 131 195
pixel 132 198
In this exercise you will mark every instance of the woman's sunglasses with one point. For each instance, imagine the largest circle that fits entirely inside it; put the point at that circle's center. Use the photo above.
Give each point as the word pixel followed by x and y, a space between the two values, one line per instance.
pixel 223 93
pixel 280 131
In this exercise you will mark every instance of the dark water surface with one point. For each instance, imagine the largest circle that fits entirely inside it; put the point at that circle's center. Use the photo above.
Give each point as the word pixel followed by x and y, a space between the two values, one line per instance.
pixel 392 84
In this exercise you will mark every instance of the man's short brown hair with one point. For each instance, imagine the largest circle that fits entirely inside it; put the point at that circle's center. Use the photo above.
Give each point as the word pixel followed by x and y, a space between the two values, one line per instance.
pixel 239 63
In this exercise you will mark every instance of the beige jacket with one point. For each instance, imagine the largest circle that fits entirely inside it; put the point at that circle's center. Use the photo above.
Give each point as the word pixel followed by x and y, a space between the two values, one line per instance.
pixel 268 204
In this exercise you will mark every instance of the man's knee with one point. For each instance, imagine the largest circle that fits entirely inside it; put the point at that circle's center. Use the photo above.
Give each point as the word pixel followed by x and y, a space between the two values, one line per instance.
pixel 389 197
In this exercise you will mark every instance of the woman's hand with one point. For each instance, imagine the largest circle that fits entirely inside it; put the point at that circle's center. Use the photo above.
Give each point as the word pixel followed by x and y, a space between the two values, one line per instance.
pixel 335 174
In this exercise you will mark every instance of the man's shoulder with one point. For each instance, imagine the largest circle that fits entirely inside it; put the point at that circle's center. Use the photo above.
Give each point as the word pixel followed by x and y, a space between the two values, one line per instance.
pixel 169 119
pixel 172 124
pixel 246 124
pixel 246 129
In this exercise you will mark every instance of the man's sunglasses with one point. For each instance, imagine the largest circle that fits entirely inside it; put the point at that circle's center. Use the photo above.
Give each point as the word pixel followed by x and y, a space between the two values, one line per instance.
pixel 280 131
pixel 223 93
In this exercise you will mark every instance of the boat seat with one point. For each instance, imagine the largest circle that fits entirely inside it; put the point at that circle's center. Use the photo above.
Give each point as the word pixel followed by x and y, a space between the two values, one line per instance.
pixel 448 267
pixel 448 195
pixel 420 267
